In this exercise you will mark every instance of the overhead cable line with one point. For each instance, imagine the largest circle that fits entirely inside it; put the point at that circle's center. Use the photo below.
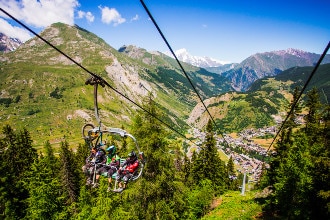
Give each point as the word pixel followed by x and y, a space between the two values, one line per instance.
pixel 300 94
pixel 183 70
pixel 95 75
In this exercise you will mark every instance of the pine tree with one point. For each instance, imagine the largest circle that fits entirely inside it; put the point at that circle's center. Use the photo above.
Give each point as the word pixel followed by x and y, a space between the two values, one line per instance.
pixel 294 181
pixel 231 167
pixel 45 201
pixel 17 157
pixel 156 193
pixel 51 161
pixel 313 116
pixel 80 156
pixel 187 170
pixel 68 174
pixel 301 178
pixel 208 164
pixel 285 141
pixel 320 155
pixel 287 129
pixel 232 181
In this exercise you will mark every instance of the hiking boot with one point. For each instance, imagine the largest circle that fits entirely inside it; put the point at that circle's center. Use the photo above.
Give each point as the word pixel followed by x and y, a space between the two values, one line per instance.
pixel 88 182
pixel 95 185
pixel 120 189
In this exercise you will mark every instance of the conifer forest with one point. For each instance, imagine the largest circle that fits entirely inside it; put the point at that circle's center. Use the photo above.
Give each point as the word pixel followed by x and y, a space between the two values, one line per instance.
pixel 44 185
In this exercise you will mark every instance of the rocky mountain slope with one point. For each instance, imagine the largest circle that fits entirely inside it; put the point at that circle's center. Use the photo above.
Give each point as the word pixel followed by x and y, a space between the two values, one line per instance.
pixel 261 65
pixel 8 44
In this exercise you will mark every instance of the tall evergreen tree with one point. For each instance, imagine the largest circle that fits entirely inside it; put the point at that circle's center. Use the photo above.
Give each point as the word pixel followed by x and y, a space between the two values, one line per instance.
pixel 313 116
pixel 208 164
pixel 287 129
pixel 17 157
pixel 301 179
pixel 80 156
pixel 231 167
pixel 318 131
pixel 233 182
pixel 294 181
pixel 45 201
pixel 156 193
pixel 187 170
pixel 69 175
pixel 285 140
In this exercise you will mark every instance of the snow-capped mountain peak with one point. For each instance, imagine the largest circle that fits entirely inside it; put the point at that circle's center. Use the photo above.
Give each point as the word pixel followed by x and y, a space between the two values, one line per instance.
pixel 8 44
pixel 184 56
pixel 291 51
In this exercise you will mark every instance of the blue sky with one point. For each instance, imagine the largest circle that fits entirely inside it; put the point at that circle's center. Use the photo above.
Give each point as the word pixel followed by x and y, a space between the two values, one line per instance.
pixel 226 30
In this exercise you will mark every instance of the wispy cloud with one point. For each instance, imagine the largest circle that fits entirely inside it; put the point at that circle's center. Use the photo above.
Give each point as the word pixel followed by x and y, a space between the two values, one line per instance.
pixel 111 16
pixel 88 15
pixel 135 18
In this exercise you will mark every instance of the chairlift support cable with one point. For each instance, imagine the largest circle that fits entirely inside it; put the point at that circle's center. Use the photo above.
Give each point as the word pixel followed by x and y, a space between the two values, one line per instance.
pixel 179 63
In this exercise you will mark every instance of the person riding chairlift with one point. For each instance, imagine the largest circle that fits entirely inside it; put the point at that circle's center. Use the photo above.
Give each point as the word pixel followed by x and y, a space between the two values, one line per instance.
pixel 93 161
pixel 127 170
pixel 110 167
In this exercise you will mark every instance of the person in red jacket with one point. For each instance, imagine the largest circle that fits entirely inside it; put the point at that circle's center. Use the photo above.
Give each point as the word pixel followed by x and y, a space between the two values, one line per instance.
pixel 127 170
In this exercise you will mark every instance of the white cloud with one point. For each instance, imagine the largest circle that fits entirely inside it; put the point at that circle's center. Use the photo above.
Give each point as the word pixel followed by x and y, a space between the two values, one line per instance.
pixel 111 15
pixel 135 18
pixel 81 14
pixel 41 13
pixel 88 15
pixel 14 32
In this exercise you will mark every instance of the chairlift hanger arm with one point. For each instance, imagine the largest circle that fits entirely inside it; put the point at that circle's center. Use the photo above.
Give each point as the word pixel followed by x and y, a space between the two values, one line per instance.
pixel 95 81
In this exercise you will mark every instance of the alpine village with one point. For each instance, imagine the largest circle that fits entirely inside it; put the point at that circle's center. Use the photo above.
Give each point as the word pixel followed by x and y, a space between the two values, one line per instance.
pixel 245 140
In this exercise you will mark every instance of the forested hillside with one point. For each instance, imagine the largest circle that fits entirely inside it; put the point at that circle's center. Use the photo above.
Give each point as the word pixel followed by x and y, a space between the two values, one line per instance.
pixel 50 187
pixel 172 186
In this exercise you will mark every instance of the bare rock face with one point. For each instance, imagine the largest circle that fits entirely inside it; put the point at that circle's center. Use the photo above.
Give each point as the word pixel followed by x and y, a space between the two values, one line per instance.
pixel 8 44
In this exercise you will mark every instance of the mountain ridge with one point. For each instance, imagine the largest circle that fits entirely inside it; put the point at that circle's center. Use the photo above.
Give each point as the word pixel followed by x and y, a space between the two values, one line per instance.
pixel 45 91
pixel 205 61
pixel 261 65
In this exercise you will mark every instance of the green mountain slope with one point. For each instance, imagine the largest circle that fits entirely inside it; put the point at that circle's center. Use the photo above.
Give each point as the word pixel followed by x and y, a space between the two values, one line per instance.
pixel 45 92
pixel 298 76
pixel 234 112
pixel 169 73
pixel 265 103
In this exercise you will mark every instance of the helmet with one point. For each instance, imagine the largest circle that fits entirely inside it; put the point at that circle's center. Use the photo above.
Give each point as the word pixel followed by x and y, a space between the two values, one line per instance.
pixel 111 150
pixel 132 154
